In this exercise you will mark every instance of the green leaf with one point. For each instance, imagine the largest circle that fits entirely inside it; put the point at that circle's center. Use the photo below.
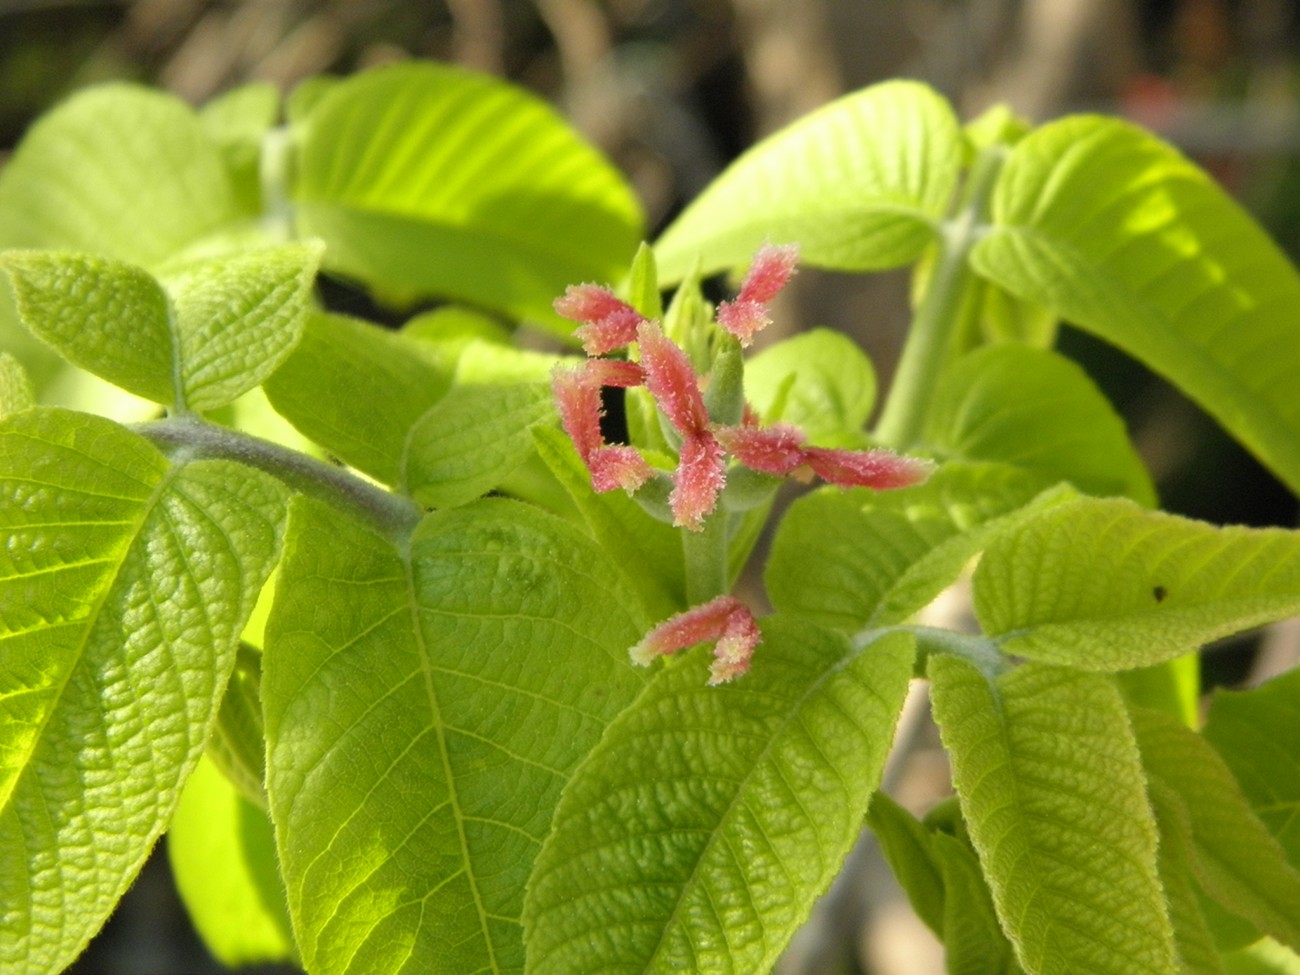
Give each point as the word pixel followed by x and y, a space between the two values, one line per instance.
pixel 1104 585
pixel 1035 409
pixel 218 328
pixel 424 179
pixel 850 559
pixel 238 317
pixel 106 316
pixel 1053 794
pixel 119 171
pixel 1119 234
pixel 471 440
pixel 125 583
pixel 652 548
pixel 1193 935
pixel 420 730
pixel 1265 957
pixel 238 743
pixel 237 122
pixel 1236 858
pixel 1255 733
pixel 705 823
pixel 222 853
pixel 357 390
pixel 972 937
pixel 908 848
pixel 16 393
pixel 818 380
pixel 860 184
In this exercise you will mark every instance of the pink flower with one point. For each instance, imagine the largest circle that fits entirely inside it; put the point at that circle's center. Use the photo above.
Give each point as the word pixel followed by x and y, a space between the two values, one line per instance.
pixel 608 323
pixel 777 450
pixel 724 620
pixel 697 482
pixel 879 469
pixel 577 396
pixel 767 275
pixel 672 381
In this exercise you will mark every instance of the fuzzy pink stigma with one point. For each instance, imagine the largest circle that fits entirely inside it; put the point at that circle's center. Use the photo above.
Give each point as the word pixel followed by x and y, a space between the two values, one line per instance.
pixel 769 272
pixel 618 467
pixel 577 397
pixel 880 469
pixel 697 482
pixel 614 372
pixel 777 449
pixel 608 323
pixel 671 381
pixel 724 619
pixel 578 402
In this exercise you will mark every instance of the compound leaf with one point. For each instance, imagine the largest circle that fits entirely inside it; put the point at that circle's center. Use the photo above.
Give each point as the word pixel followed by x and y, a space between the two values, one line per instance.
pixel 425 703
pixel 124 585
pixel 1119 234
pixel 1035 409
pixel 471 440
pixel 705 823
pixel 849 559
pixel 1235 857
pixel 237 317
pixel 1255 732
pixel 1102 584
pixel 425 179
pixel 859 184
pixel 117 170
pixel 1052 791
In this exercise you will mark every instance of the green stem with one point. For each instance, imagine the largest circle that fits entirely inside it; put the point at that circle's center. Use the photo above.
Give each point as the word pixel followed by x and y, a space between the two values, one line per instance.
pixel 937 318
pixel 705 552
pixel 188 438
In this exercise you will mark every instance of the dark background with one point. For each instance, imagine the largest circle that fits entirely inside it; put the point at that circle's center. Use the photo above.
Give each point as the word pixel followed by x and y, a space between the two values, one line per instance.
pixel 672 90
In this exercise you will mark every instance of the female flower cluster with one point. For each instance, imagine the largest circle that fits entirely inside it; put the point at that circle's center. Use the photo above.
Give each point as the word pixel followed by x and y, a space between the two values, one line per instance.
pixel 608 324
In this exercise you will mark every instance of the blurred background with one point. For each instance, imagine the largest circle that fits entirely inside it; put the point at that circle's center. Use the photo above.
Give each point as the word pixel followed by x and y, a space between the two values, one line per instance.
pixel 672 90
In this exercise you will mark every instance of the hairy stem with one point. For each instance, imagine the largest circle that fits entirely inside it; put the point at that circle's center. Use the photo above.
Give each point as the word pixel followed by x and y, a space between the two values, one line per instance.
pixel 706 559
pixel 939 314
pixel 189 438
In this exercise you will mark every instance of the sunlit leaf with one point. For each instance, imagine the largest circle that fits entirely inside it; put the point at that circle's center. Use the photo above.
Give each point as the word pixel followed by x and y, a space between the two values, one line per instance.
pixel 707 821
pixel 222 854
pixel 1117 233
pixel 1105 585
pixel 425 179
pixel 124 585
pixel 859 184
pixel 424 706
pixel 1053 794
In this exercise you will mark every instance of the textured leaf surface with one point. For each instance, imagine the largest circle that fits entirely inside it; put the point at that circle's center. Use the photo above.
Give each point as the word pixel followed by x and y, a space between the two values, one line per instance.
pixel 1105 585
pixel 617 522
pixel 16 393
pixel 425 179
pixel 1119 234
pixel 850 559
pixel 124 586
pixel 106 316
pixel 117 170
pixel 471 440
pixel 706 822
pixel 423 711
pixel 818 380
pixel 238 317
pixel 1255 732
pixel 1035 409
pixel 357 390
pixel 972 938
pixel 1236 858
pixel 222 853
pixel 1053 794
pixel 859 184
